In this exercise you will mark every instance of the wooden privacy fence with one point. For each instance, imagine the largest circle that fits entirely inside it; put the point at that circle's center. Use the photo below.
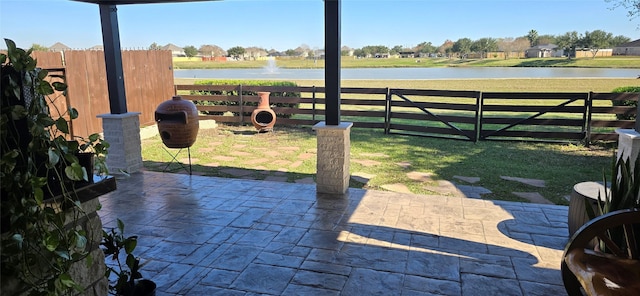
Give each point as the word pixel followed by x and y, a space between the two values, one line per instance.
pixel 148 79
pixel 464 115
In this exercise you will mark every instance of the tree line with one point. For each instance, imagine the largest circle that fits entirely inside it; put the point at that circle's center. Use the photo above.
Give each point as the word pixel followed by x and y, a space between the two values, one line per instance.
pixel 569 42
pixel 461 48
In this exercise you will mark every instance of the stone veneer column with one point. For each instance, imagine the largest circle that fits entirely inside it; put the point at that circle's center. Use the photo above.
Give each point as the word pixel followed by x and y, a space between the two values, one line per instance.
pixel 334 145
pixel 91 276
pixel 122 131
pixel 88 276
pixel 628 145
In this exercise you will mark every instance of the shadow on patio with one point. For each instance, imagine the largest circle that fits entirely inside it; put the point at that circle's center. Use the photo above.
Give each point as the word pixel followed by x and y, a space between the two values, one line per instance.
pixel 216 236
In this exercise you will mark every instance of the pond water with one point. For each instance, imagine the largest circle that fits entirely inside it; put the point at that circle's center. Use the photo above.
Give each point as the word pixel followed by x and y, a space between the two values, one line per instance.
pixel 409 73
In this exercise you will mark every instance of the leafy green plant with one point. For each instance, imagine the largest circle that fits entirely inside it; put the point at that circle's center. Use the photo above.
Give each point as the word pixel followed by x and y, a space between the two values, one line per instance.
pixel 42 234
pixel 97 147
pixel 626 89
pixel 128 277
pixel 624 192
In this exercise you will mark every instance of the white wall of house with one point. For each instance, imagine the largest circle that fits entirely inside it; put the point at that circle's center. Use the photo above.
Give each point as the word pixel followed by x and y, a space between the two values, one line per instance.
pixel 633 51
pixel 557 53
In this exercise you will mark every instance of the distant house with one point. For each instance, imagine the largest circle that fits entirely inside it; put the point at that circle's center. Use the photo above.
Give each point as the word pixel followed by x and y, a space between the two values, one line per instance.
pixel 630 48
pixel 318 54
pixel 348 50
pixel 544 51
pixel 97 47
pixel 254 53
pixel 176 51
pixel 59 47
pixel 381 55
pixel 275 54
pixel 407 54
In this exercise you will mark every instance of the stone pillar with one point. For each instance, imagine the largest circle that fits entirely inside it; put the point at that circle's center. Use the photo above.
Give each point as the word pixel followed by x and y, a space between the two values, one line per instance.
pixel 334 145
pixel 87 274
pixel 628 145
pixel 122 131
pixel 91 276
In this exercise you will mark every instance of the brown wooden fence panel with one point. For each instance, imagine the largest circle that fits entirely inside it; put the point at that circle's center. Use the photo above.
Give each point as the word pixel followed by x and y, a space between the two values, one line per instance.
pixel 612 124
pixel 430 105
pixel 221 118
pixel 540 135
pixel 197 87
pixel 439 113
pixel 87 89
pixel 292 121
pixel 604 119
pixel 363 102
pixel 436 93
pixel 408 129
pixel 365 108
pixel 534 116
pixel 148 79
pixel 433 113
pixel 360 90
pixel 48 59
pixel 423 116
pixel 309 107
pixel 533 95
pixel 548 122
pixel 536 109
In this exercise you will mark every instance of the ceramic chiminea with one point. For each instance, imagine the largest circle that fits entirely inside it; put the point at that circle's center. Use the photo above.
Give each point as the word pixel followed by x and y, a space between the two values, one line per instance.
pixel 263 117
pixel 177 122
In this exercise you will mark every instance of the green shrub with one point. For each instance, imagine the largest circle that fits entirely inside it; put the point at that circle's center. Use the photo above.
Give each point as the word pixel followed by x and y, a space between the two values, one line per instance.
pixel 245 93
pixel 626 89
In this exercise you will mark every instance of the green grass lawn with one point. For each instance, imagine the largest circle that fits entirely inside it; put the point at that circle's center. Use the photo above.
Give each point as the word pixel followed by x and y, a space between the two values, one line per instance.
pixel 265 154
pixel 560 165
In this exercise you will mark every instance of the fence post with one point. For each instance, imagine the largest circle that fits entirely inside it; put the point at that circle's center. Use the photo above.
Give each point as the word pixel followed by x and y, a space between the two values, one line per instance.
pixel 478 125
pixel 588 104
pixel 637 125
pixel 387 112
pixel 241 104
pixel 313 104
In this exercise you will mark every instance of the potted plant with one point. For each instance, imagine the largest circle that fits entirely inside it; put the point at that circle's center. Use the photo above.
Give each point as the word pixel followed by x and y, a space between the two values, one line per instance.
pixel 624 193
pixel 43 234
pixel 92 155
pixel 601 258
pixel 128 280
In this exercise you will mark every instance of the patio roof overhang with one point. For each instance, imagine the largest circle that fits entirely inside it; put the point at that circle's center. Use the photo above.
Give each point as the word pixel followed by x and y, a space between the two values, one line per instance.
pixel 113 57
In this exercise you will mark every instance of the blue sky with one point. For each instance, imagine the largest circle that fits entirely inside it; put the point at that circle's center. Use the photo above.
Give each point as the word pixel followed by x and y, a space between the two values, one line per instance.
pixel 287 24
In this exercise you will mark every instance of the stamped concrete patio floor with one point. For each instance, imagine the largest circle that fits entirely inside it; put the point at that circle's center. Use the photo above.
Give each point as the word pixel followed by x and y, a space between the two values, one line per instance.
pixel 215 236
